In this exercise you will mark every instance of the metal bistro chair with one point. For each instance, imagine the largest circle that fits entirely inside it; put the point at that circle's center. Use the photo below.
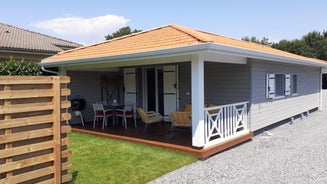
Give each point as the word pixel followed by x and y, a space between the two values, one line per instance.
pixel 100 112
pixel 129 111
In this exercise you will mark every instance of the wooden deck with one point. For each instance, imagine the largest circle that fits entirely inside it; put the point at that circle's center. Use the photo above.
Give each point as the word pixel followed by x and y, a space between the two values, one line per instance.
pixel 159 135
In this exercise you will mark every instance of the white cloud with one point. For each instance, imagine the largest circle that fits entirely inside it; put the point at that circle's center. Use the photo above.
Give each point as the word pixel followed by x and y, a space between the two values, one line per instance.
pixel 83 30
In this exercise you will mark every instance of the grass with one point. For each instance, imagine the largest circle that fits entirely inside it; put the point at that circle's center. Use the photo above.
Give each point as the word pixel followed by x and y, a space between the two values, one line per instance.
pixel 99 160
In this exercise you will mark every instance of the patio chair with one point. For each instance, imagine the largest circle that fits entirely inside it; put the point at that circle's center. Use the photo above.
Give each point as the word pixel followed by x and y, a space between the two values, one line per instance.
pixel 179 119
pixel 127 112
pixel 149 117
pixel 100 112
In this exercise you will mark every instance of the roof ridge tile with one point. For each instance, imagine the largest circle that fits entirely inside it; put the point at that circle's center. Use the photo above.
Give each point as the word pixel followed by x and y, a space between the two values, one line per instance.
pixel 192 32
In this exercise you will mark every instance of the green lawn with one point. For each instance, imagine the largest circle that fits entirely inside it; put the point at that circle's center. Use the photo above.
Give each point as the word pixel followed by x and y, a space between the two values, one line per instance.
pixel 102 160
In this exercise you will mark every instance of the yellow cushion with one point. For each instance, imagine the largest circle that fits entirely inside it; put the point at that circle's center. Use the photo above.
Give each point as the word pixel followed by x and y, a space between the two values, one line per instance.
pixel 188 108
pixel 180 119
pixel 215 111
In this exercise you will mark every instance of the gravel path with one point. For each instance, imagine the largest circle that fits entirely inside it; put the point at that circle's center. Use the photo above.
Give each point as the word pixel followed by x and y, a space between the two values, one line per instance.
pixel 294 153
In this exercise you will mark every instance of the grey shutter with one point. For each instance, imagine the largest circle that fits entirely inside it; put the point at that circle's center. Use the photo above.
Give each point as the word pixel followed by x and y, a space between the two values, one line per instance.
pixel 130 85
pixel 287 84
pixel 270 86
pixel 170 90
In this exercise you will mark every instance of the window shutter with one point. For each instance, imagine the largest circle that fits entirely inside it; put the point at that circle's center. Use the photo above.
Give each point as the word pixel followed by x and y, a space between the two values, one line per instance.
pixel 270 86
pixel 287 84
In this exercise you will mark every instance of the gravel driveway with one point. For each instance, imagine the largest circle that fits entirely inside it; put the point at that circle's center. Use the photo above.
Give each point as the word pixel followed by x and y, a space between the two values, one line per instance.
pixel 290 153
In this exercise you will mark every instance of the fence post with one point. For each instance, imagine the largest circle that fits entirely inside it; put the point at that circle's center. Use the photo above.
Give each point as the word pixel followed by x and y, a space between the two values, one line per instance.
pixel 57 128
pixel 8 130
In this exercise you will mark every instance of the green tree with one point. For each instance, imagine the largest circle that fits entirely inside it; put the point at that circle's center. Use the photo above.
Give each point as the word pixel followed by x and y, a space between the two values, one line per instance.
pixel 263 41
pixel 121 32
pixel 313 44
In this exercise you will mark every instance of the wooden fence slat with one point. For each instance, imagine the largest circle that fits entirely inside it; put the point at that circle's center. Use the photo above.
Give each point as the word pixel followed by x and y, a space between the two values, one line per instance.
pixel 31 107
pixel 28 175
pixel 65 166
pixel 32 93
pixel 57 129
pixel 26 149
pixel 10 80
pixel 19 122
pixel 26 163
pixel 66 153
pixel 66 129
pixel 66 141
pixel 25 135
pixel 67 178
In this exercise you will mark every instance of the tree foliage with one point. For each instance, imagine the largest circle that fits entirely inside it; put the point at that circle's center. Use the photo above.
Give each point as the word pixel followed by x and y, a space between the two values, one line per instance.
pixel 21 68
pixel 313 44
pixel 263 41
pixel 121 32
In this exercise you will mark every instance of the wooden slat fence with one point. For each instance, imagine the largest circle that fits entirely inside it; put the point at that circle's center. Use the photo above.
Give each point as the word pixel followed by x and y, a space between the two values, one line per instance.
pixel 33 129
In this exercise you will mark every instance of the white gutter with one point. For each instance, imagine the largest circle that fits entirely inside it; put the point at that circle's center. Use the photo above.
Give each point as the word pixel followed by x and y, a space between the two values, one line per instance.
pixel 205 47
pixel 49 71
pixel 28 52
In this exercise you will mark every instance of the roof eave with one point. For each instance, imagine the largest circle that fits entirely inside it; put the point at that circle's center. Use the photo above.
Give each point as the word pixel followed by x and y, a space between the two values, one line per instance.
pixel 27 51
pixel 248 53
pixel 133 56
pixel 193 49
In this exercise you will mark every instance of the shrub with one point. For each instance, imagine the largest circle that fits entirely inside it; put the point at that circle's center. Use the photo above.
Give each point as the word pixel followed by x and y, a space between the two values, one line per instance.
pixel 21 68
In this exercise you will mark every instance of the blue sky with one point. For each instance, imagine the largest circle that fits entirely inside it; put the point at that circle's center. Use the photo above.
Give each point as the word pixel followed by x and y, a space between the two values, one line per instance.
pixel 88 22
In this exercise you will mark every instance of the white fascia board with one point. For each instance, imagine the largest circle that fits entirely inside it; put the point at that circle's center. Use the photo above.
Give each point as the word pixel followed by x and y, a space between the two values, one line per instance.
pixel 180 51
pixel 241 52
pixel 187 50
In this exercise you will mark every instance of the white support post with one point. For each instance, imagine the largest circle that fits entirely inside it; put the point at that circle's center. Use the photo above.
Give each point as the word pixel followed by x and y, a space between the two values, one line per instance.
pixel 198 137
pixel 320 90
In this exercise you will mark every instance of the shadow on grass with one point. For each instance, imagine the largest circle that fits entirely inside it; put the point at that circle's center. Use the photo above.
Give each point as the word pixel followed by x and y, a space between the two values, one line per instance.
pixel 75 174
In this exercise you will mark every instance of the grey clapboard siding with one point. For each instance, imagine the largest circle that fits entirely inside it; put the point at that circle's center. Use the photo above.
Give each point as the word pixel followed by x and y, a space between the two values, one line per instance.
pixel 184 79
pixel 223 83
pixel 264 111
pixel 85 85
pixel 226 83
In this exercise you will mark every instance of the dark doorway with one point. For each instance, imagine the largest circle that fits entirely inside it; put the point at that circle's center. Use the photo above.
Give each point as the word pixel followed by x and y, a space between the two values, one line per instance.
pixel 155 99
pixel 151 85
pixel 160 91
pixel 324 81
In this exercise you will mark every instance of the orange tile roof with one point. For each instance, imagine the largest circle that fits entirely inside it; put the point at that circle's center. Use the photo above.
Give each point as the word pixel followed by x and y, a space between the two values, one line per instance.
pixel 165 37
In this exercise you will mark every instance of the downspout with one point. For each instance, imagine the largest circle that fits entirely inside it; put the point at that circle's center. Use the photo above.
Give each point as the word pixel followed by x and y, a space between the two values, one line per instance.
pixel 49 71
pixel 320 90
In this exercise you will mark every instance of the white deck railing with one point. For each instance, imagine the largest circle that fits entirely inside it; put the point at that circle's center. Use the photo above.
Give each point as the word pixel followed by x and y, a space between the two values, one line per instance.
pixel 225 122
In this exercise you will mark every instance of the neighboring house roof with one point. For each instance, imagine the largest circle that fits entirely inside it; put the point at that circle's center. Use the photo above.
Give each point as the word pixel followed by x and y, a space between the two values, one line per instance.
pixel 165 37
pixel 16 39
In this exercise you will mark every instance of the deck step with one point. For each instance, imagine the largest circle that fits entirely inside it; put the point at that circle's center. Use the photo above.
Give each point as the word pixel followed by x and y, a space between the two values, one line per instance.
pixel 199 153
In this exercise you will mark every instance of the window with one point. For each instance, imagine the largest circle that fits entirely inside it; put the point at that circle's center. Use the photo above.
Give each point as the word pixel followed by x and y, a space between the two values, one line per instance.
pixel 294 84
pixel 280 85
